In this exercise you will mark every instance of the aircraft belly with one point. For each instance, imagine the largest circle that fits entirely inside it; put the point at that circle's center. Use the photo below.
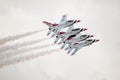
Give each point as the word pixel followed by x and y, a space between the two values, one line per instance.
pixel 74 33
pixel 68 24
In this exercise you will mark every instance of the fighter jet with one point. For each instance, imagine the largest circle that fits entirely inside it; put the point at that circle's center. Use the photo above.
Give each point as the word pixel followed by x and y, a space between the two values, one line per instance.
pixel 62 24
pixel 78 45
pixel 72 37
pixel 65 35
pixel 77 38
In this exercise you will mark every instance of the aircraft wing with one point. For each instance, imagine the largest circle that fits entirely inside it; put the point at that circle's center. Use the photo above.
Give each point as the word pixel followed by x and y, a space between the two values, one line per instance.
pixel 47 23
pixel 70 28
pixel 64 19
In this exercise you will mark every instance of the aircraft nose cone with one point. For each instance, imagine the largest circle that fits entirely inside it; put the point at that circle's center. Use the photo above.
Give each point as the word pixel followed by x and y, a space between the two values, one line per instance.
pixel 78 21
pixel 85 29
pixel 91 35
pixel 97 40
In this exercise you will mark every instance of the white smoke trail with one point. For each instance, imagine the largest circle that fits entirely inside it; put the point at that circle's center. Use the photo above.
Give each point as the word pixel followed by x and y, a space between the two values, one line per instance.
pixel 21 51
pixel 12 38
pixel 23 58
pixel 16 46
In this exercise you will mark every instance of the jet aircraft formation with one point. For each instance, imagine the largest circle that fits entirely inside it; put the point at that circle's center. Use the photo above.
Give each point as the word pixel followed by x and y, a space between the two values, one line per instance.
pixel 72 38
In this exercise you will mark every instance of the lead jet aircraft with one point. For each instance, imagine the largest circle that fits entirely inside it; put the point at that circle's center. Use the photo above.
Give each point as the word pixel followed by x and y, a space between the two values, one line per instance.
pixel 65 35
pixel 62 24
pixel 78 45
pixel 72 40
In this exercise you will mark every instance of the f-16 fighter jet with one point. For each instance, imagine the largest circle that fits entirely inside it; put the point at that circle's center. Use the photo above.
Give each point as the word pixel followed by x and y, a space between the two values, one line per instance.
pixel 62 24
pixel 65 35
pixel 77 38
pixel 77 46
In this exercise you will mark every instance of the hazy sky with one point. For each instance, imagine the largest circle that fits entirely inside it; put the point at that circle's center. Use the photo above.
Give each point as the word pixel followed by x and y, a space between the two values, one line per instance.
pixel 100 61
